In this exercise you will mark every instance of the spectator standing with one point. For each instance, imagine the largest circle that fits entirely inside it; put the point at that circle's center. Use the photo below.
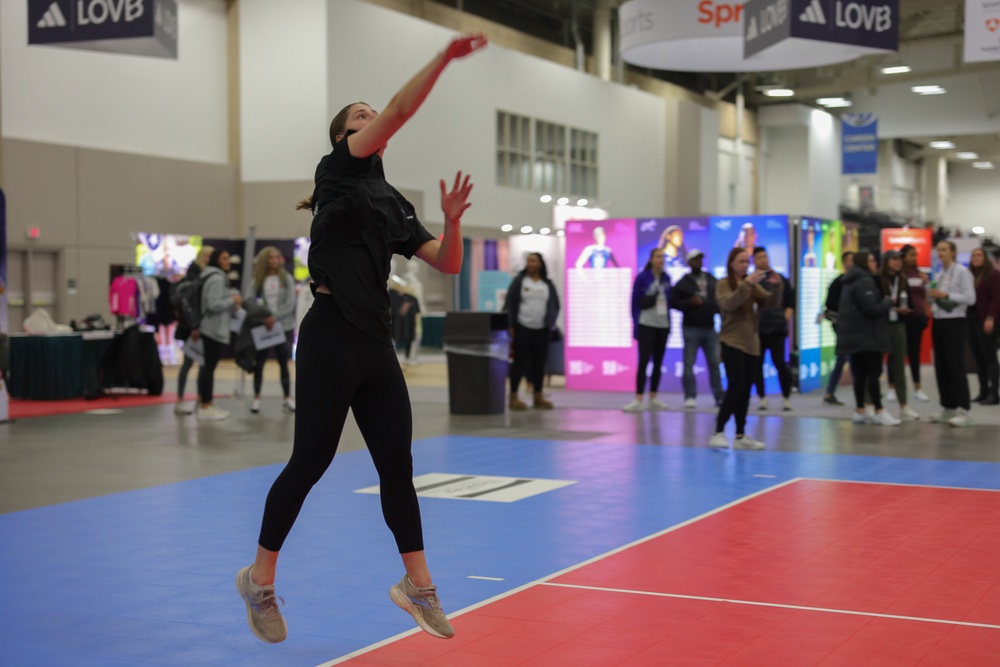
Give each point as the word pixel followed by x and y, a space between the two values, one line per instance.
pixel 953 293
pixel 694 297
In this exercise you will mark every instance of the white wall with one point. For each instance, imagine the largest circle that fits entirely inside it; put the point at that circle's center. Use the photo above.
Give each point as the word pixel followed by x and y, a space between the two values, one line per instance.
pixel 784 179
pixel 373 51
pixel 283 88
pixel 735 188
pixel 824 165
pixel 973 199
pixel 131 104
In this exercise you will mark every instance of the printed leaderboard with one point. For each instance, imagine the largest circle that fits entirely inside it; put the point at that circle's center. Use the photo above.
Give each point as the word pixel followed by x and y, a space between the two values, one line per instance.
pixel 811 304
pixel 597 299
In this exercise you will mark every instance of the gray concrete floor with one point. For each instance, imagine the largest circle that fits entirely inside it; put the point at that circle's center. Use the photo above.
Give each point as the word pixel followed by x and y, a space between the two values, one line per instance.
pixel 57 459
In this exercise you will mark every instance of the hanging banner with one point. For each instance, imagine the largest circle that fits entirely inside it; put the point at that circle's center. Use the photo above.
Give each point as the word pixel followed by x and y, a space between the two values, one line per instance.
pixel 600 269
pixel 135 27
pixel 868 26
pixel 4 327
pixel 982 30
pixel 860 143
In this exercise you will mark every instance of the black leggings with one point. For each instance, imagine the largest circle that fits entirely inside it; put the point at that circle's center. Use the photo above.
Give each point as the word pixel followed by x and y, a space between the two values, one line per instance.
pixel 340 367
pixel 652 344
pixel 531 350
pixel 776 344
pixel 741 373
pixel 866 367
pixel 984 351
pixel 281 353
pixel 206 372
pixel 182 376
pixel 915 326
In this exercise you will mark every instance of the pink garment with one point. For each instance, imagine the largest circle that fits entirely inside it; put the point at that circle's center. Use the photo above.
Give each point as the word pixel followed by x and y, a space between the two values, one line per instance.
pixel 123 296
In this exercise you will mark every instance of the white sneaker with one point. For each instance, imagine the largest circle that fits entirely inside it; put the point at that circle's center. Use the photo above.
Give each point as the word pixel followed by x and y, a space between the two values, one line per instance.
pixel 786 405
pixel 746 442
pixel 657 404
pixel 212 414
pixel 255 406
pixel 690 404
pixel 908 414
pixel 719 441
pixel 890 395
pixel 921 396
pixel 870 414
pixel 944 416
pixel 182 408
pixel 763 404
pixel 289 405
pixel 961 420
pixel 885 419
pixel 635 406
pixel 860 418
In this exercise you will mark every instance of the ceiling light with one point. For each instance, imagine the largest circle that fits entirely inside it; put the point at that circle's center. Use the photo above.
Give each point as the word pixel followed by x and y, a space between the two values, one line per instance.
pixel 833 102
pixel 780 92
pixel 978 230
pixel 896 69
pixel 544 231
pixel 968 155
pixel 561 232
pixel 545 199
pixel 928 90
pixel 562 201
pixel 984 165
pixel 581 202
pixel 507 228
pixel 526 229
pixel 942 145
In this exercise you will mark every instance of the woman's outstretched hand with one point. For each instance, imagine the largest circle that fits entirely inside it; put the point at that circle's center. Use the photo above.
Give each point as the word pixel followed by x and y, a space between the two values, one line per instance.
pixel 464 45
pixel 454 203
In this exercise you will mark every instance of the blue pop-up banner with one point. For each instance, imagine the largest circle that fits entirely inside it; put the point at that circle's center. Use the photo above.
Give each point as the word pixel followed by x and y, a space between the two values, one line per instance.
pixel 860 143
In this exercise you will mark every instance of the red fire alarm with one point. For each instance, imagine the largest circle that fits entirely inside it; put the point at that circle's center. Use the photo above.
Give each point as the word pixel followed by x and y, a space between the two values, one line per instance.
pixel 34 233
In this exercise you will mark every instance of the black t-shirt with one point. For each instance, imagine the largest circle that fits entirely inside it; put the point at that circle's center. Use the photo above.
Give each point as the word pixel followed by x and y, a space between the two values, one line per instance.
pixel 359 222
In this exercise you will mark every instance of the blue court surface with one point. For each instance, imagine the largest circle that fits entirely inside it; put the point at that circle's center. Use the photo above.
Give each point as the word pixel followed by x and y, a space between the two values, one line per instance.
pixel 147 577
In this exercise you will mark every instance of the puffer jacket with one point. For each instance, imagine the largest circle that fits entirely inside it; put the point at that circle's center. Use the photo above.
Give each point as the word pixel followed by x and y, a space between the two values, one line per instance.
pixel 863 315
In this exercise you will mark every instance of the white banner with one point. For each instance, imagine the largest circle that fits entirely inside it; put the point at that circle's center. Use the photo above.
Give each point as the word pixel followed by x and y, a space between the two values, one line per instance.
pixel 982 30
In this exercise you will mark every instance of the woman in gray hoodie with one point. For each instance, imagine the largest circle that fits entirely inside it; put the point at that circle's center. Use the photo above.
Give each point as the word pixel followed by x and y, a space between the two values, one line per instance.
pixel 273 287
pixel 217 305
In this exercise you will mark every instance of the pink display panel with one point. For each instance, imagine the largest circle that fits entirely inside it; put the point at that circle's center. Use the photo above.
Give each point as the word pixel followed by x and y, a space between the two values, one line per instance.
pixel 600 269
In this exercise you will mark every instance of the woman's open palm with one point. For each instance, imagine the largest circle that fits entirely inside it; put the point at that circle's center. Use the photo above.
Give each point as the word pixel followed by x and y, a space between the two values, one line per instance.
pixel 454 203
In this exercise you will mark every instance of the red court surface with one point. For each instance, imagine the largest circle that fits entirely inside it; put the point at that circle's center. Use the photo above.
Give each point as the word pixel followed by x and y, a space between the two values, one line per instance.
pixel 809 573
pixel 26 409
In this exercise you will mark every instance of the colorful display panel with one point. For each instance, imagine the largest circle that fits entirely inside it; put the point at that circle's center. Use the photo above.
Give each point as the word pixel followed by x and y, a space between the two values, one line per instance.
pixel 832 238
pixel 600 269
pixel 811 296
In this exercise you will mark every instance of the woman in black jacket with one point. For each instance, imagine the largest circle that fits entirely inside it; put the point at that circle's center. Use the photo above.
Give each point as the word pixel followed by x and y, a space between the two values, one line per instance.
pixel 863 333
pixel 532 308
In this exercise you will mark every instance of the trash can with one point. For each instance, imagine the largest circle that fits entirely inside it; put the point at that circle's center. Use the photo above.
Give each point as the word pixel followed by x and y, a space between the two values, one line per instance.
pixel 477 346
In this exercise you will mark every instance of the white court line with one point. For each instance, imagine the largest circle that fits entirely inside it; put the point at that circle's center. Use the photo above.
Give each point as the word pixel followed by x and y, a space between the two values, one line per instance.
pixel 906 484
pixel 537 582
pixel 752 603
pixel 472 576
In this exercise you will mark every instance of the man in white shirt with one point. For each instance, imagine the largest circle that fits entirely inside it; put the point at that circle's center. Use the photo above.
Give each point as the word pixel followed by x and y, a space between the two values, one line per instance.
pixel 951 295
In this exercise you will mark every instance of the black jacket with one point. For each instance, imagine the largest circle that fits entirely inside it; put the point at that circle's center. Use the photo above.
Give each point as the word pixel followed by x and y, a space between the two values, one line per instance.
pixel 772 320
pixel 863 315
pixel 695 316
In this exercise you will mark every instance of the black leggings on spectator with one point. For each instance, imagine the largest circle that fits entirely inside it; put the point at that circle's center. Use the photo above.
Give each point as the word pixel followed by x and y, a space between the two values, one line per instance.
pixel 339 366
pixel 281 353
pixel 741 373
pixel 206 372
pixel 531 352
pixel 866 367
pixel 652 344
pixel 776 344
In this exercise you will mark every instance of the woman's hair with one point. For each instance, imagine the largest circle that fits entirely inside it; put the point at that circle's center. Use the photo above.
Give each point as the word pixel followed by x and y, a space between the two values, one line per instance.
pixel 543 271
pixel 905 250
pixel 203 256
pixel 985 271
pixel 649 264
pixel 885 279
pixel 337 127
pixel 213 259
pixel 260 266
pixel 861 259
pixel 731 277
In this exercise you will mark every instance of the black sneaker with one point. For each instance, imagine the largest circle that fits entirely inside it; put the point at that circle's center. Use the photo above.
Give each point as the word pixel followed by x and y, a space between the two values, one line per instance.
pixel 831 400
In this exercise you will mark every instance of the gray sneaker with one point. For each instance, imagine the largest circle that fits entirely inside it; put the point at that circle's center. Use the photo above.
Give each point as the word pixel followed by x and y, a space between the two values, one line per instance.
pixel 423 605
pixel 262 608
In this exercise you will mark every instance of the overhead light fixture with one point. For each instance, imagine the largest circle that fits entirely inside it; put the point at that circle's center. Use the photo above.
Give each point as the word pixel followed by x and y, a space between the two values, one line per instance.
pixel 978 230
pixel 896 69
pixel 561 232
pixel 562 201
pixel 581 202
pixel 968 155
pixel 833 102
pixel 545 199
pixel 942 145
pixel 984 165
pixel 779 92
pixel 526 229
pixel 507 228
pixel 928 90
pixel 544 231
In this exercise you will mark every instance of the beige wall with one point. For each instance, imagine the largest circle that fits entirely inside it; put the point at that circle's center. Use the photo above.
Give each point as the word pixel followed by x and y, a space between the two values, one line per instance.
pixel 88 202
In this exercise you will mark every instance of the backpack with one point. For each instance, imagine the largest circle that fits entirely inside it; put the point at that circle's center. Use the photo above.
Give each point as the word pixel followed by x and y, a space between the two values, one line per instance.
pixel 185 296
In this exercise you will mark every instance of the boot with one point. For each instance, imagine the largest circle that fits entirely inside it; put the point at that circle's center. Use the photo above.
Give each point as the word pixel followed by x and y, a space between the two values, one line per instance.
pixel 983 394
pixel 991 399
pixel 516 403
pixel 541 403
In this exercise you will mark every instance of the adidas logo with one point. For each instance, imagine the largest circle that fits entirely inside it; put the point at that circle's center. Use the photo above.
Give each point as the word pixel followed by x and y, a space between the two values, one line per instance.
pixel 53 17
pixel 813 14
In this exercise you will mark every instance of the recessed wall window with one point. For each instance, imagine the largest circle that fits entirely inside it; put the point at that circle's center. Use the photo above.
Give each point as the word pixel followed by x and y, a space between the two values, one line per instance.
pixel 538 155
